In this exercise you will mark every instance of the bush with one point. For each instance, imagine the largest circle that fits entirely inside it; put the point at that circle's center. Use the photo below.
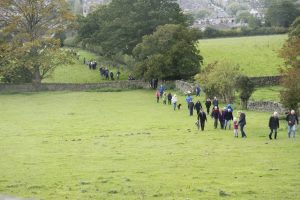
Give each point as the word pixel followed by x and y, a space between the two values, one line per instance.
pixel 244 31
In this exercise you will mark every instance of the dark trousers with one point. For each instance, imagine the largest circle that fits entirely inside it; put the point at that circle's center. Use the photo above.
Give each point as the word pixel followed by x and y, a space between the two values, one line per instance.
pixel 202 124
pixel 242 130
pixel 157 99
pixel 216 122
pixel 191 111
pixel 275 135
pixel 169 101
pixel 207 108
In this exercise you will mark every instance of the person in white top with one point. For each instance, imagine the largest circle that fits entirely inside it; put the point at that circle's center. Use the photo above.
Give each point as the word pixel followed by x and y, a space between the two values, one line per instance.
pixel 174 101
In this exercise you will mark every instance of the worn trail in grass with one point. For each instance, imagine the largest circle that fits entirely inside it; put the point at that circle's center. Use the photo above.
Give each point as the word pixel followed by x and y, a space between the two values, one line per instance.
pixel 123 145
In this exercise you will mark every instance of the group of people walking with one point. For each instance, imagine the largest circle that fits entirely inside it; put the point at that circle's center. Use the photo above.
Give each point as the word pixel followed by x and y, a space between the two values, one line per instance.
pixel 104 71
pixel 224 116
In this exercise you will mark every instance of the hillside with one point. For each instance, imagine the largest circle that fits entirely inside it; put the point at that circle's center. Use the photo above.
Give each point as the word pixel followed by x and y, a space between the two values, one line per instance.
pixel 257 56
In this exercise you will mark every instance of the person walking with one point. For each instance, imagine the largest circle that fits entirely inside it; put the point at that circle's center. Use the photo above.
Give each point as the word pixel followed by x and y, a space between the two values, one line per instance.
pixel 216 102
pixel 215 114
pixel 157 94
pixel 161 90
pixel 208 105
pixel 273 125
pixel 169 98
pixel 222 118
pixel 191 107
pixel 201 119
pixel 198 107
pixel 242 123
pixel 188 98
pixel 228 117
pixel 235 127
pixel 292 120
pixel 198 90
pixel 164 98
pixel 174 101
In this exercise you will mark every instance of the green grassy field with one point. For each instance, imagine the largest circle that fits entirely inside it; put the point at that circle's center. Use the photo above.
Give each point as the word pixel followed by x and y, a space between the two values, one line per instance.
pixel 80 73
pixel 267 93
pixel 256 56
pixel 123 145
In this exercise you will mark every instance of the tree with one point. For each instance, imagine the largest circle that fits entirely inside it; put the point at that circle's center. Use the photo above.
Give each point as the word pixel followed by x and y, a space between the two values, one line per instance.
pixel 169 53
pixel 247 17
pixel 290 96
pixel 282 13
pixel 120 25
pixel 246 87
pixel 218 79
pixel 29 28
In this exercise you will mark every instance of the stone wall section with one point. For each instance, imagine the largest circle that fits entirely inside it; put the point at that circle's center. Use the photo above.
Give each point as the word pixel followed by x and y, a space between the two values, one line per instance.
pixel 72 87
pixel 266 106
pixel 185 86
pixel 265 81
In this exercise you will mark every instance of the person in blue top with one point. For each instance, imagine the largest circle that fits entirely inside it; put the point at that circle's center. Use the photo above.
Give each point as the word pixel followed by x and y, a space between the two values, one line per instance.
pixel 229 107
pixel 161 90
pixel 188 98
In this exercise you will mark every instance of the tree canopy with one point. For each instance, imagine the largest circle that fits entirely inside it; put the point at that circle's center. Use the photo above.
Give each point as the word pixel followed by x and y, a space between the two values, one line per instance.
pixel 282 13
pixel 218 79
pixel 29 29
pixel 119 26
pixel 169 53
pixel 290 96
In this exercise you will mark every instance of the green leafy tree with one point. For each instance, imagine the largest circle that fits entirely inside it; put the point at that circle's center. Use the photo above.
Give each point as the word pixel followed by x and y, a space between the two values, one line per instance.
pixel 120 25
pixel 245 87
pixel 246 17
pixel 218 79
pixel 29 29
pixel 282 13
pixel 169 53
pixel 290 96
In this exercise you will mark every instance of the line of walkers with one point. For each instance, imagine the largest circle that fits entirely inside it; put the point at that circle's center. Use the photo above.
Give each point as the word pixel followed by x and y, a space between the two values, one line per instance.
pixel 224 116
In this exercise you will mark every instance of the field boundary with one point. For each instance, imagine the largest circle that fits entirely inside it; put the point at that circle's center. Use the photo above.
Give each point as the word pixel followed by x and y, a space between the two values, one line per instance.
pixel 133 84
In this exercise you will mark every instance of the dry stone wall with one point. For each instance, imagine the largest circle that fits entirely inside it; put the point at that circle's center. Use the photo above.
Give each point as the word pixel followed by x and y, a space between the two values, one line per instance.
pixel 71 87
pixel 265 81
pixel 185 86
pixel 266 106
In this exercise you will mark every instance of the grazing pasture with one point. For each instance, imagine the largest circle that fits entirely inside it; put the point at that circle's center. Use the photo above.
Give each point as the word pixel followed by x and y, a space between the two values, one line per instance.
pixel 123 145
pixel 256 55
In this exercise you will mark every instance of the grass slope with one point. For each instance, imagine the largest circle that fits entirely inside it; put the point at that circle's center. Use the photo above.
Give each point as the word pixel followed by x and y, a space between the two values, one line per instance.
pixel 257 56
pixel 80 73
pixel 123 145
pixel 267 93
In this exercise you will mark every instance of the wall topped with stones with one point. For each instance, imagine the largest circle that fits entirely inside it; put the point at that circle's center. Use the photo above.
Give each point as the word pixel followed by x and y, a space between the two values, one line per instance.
pixel 72 87
pixel 266 106
pixel 265 81
pixel 185 86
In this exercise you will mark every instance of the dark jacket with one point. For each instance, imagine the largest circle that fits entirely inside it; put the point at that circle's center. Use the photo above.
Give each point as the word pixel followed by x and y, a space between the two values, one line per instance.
pixel 207 104
pixel 169 96
pixel 292 119
pixel 198 106
pixel 228 116
pixel 202 116
pixel 216 102
pixel 215 114
pixel 274 122
pixel 191 105
pixel 242 119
